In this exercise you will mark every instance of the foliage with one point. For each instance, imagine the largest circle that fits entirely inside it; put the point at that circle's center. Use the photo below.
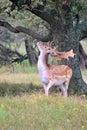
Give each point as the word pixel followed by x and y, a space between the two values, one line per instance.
pixel 21 17
pixel 15 12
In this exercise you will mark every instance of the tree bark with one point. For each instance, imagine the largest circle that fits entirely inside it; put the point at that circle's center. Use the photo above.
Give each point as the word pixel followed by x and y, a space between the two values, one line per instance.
pixel 28 31
pixel 65 39
pixel 32 56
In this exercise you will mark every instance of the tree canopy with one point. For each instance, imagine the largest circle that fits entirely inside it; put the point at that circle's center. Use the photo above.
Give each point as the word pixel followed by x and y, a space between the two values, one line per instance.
pixel 62 21
pixel 47 10
pixel 23 15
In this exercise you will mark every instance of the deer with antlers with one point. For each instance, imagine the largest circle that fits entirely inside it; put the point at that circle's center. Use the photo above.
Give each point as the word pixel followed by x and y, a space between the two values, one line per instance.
pixel 61 55
pixel 50 74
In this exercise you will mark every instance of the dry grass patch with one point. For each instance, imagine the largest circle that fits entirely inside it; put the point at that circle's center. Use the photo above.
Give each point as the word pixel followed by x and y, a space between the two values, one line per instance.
pixel 16 84
pixel 19 78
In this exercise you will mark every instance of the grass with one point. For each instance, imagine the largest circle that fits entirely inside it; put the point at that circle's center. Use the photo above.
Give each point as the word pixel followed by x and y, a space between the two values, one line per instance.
pixel 17 84
pixel 24 67
pixel 36 112
pixel 19 78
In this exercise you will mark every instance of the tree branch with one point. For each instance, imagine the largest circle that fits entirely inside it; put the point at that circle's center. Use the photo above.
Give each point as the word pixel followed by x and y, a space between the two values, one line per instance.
pixel 37 10
pixel 19 59
pixel 31 54
pixel 9 56
pixel 30 32
pixel 42 14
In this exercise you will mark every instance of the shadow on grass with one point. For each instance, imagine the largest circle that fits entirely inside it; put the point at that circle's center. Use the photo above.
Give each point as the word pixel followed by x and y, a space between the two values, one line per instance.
pixel 19 89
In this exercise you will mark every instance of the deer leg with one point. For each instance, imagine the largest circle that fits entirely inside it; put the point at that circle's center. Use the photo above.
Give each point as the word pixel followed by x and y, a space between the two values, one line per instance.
pixel 64 88
pixel 47 87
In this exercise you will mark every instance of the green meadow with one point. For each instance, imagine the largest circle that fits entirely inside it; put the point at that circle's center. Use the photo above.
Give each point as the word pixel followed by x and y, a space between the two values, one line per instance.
pixel 23 105
pixel 37 112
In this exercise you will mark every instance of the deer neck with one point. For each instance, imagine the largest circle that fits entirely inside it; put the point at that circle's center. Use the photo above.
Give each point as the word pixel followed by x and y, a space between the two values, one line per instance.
pixel 43 60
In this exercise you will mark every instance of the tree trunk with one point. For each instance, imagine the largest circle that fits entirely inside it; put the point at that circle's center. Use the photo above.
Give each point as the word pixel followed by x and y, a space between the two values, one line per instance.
pixel 32 56
pixel 83 57
pixel 65 39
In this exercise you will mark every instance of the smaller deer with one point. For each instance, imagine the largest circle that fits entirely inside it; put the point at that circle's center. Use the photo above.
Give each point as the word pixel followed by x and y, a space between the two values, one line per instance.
pixel 50 74
pixel 62 55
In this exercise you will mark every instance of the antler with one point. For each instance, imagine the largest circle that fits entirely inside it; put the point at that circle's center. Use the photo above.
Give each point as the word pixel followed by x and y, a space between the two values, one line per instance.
pixel 62 55
pixel 50 44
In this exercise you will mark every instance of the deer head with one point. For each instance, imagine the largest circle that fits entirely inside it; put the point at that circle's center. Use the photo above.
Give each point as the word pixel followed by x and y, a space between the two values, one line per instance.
pixel 46 49
pixel 62 55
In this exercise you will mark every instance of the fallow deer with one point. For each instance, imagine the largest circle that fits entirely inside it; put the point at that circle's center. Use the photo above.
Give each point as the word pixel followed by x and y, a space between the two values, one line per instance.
pixel 62 55
pixel 50 74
